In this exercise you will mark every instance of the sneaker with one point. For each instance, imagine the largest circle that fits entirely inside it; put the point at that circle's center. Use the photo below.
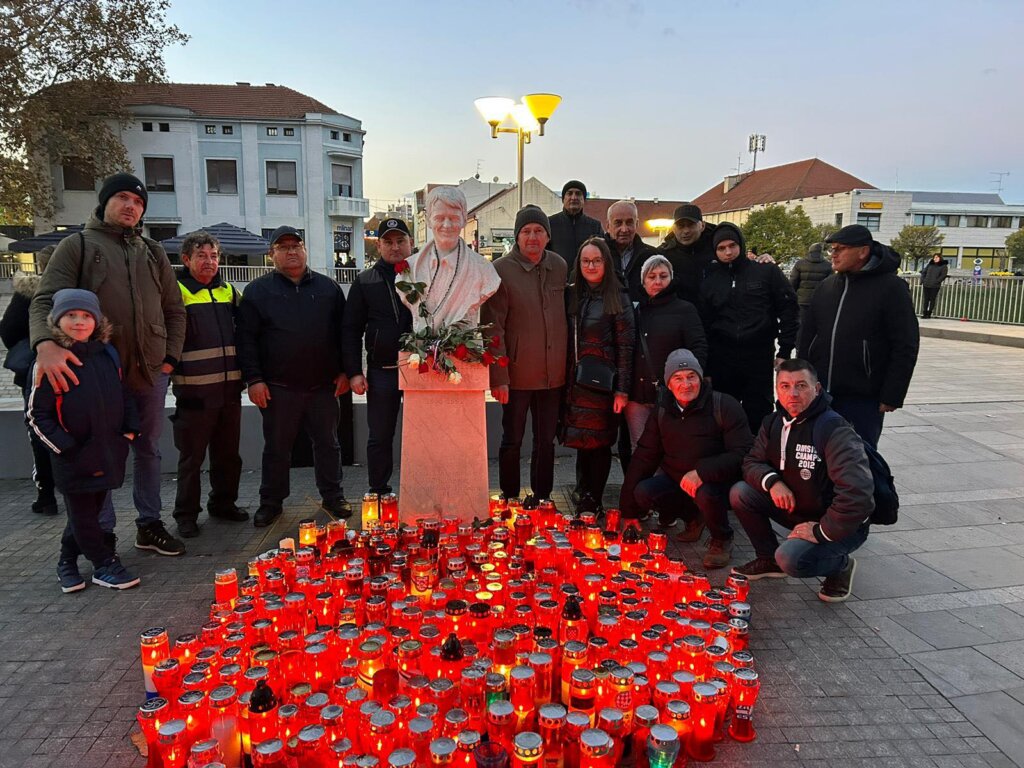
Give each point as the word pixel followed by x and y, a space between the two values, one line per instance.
pixel 692 532
pixel 188 529
pixel 233 514
pixel 666 520
pixel 156 538
pixel 265 515
pixel 761 568
pixel 338 507
pixel 587 504
pixel 114 575
pixel 45 505
pixel 718 554
pixel 837 587
pixel 69 577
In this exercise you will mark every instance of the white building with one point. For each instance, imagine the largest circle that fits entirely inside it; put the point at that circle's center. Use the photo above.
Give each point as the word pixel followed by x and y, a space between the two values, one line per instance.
pixel 257 157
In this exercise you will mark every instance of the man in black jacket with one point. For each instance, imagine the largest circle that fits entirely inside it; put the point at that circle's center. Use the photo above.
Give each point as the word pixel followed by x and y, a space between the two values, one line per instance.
pixel 807 274
pixel 932 276
pixel 746 306
pixel 628 250
pixel 689 456
pixel 690 250
pixel 571 226
pixel 374 312
pixel 289 349
pixel 861 333
pixel 814 480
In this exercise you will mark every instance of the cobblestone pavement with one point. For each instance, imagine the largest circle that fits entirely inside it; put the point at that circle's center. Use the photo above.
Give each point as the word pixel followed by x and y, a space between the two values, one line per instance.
pixel 924 668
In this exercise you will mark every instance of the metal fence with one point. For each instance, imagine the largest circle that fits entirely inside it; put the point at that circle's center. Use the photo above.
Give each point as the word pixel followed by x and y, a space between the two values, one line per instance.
pixel 245 274
pixel 984 299
pixel 8 268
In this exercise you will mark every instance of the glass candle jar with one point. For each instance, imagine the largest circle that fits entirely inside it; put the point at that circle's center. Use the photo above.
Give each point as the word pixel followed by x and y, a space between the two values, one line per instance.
pixel 595 749
pixel 155 647
pixel 151 716
pixel 527 749
pixel 700 745
pixel 746 686
pixel 172 744
pixel 501 723
pixel 270 754
pixel 662 746
pixel 224 724
pixel 442 751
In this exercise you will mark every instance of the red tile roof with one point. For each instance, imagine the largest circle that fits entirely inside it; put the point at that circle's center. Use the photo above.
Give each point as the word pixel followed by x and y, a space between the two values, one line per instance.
pixel 228 101
pixel 805 178
pixel 646 210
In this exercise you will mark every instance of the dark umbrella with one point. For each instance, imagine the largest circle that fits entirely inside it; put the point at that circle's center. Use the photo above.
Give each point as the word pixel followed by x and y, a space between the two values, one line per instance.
pixel 36 243
pixel 233 240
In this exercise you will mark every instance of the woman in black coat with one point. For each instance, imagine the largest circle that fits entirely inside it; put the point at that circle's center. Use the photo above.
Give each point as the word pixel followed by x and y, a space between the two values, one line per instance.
pixel 664 323
pixel 602 335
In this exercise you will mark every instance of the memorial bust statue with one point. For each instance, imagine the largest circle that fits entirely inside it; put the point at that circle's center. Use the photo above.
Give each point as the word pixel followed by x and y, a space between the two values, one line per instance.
pixel 458 279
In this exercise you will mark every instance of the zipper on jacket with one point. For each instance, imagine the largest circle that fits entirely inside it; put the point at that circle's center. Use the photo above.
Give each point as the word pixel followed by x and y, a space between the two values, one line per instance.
pixel 835 326
pixel 220 333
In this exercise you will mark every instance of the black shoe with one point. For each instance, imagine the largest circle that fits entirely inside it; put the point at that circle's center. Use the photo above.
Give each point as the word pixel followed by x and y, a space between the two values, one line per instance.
pixel 188 529
pixel 837 587
pixel 338 507
pixel 692 531
pixel 69 577
pixel 265 515
pixel 233 514
pixel 761 568
pixel 156 538
pixel 588 504
pixel 45 505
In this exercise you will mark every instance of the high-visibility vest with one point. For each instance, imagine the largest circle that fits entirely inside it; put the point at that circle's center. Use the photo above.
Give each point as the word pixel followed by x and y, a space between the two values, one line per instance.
pixel 208 376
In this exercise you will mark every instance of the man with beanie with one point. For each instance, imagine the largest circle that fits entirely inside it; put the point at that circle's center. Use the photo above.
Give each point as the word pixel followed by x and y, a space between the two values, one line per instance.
pixel 689 249
pixel 528 317
pixel 689 456
pixel 139 294
pixel 747 306
pixel 861 333
pixel 571 227
pixel 807 274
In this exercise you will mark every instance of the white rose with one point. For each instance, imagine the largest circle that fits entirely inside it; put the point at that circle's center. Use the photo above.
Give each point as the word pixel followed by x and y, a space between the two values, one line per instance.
pixel 454 377
pixel 414 360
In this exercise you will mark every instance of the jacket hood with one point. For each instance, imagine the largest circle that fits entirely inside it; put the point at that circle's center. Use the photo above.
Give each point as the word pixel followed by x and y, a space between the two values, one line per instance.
pixel 818 406
pixel 102 333
pixel 185 278
pixel 814 254
pixel 728 231
pixel 883 260
pixel 26 284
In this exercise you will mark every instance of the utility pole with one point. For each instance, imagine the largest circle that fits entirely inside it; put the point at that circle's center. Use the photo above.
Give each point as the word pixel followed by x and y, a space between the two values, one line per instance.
pixel 755 145
pixel 998 180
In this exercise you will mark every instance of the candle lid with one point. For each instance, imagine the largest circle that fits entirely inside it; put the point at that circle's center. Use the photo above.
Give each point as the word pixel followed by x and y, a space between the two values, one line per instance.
pixel 521 674
pixel 190 698
pixel 202 746
pixel 662 736
pixel 330 713
pixel 622 676
pixel 594 742
pixel 151 706
pixel 678 709
pixel 500 710
pixel 420 726
pixel 288 710
pixel 222 694
pixel 382 718
pixel 645 715
pixel 171 730
pixel 611 719
pixel 402 758
pixel 527 744
pixel 583 676
pixel 269 747
pixel 428 710
pixel 367 708
pixel 153 635
pixel 317 700
pixel 745 675
pixel 468 740
pixel 443 747
pixel 313 732
pixel 551 715
pixel 704 692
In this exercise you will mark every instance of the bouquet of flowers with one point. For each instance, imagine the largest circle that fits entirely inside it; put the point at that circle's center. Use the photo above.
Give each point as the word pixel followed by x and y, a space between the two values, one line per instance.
pixel 438 349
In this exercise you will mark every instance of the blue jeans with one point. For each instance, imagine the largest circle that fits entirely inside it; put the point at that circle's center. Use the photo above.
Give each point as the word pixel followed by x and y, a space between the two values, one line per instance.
pixel 662 493
pixel 146 451
pixel 755 510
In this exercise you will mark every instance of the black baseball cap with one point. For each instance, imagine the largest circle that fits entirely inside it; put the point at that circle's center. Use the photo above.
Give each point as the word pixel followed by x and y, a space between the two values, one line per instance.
pixel 687 212
pixel 392 225
pixel 851 234
pixel 284 231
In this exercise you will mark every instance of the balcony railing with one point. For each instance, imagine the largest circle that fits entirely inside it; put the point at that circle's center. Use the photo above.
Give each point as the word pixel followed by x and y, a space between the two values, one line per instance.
pixel 983 299
pixel 353 207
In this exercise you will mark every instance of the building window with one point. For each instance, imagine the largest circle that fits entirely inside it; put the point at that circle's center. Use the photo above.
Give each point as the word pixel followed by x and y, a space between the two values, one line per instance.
pixel 346 137
pixel 949 253
pixel 281 178
pixel 159 174
pixel 160 232
pixel 221 177
pixel 948 221
pixel 76 179
pixel 839 220
pixel 870 220
pixel 341 180
pixel 980 222
pixel 271 131
pixel 924 220
pixel 147 127
pixel 335 135
pixel 227 130
pixel 165 127
pixel 289 131
pixel 211 130
pixel 1002 222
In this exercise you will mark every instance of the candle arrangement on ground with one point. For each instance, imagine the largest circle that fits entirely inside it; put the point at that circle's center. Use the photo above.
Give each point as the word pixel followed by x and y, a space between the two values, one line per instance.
pixel 531 639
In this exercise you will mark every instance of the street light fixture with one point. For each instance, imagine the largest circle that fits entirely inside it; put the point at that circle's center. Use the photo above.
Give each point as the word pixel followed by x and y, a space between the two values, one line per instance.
pixel 528 117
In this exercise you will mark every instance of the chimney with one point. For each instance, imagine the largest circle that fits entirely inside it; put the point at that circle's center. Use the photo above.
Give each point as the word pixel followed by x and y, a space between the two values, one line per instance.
pixel 238 82
pixel 732 181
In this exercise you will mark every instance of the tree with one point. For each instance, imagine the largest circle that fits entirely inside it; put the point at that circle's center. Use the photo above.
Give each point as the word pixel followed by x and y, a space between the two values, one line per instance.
pixel 784 234
pixel 917 244
pixel 824 230
pixel 64 71
pixel 1015 249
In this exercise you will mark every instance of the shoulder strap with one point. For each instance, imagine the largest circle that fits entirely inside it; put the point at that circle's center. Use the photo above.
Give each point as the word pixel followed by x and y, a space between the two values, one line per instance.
pixel 823 429
pixel 81 258
pixel 716 407
pixel 112 352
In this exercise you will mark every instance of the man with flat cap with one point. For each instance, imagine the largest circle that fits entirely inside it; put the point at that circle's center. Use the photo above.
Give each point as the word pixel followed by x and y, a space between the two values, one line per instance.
pixel 861 332
pixel 374 313
pixel 571 226
pixel 690 250
pixel 289 350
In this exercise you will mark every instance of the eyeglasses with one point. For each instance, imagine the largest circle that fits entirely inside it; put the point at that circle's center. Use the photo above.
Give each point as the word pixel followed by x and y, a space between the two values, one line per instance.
pixel 838 248
pixel 591 263
pixel 290 248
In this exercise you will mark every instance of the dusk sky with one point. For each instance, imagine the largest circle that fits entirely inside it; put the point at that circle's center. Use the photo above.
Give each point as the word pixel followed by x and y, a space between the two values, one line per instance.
pixel 658 97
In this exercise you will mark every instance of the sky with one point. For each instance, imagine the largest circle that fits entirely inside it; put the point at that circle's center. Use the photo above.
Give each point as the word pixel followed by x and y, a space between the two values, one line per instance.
pixel 659 98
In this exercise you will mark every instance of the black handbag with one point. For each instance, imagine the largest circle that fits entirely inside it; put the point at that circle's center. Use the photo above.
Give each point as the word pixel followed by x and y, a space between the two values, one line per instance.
pixel 593 373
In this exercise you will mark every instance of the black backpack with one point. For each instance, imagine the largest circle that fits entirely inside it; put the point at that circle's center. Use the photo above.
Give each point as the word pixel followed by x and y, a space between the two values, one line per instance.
pixel 887 501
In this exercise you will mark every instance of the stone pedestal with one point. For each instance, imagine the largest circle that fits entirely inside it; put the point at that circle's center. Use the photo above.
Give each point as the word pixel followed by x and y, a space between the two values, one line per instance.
pixel 444 444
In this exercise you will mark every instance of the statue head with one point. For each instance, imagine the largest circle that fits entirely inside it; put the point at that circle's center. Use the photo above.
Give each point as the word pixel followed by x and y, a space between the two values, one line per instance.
pixel 446 215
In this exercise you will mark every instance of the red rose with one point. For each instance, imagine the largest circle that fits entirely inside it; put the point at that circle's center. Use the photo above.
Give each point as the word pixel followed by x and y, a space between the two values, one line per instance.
pixel 461 352
pixel 401 266
pixel 488 358
pixel 503 361
pixel 495 341
pixel 423 368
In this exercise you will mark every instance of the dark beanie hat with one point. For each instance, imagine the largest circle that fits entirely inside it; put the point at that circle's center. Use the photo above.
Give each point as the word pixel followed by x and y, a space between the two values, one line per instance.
pixel 574 184
pixel 67 299
pixel 727 231
pixel 531 214
pixel 122 182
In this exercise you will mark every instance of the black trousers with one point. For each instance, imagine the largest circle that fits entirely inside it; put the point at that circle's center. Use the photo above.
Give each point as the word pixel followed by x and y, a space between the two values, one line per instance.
pixel 195 431
pixel 593 465
pixel 383 399
pixel 747 373
pixel 42 470
pixel 543 405
pixel 931 297
pixel 288 410
pixel 82 534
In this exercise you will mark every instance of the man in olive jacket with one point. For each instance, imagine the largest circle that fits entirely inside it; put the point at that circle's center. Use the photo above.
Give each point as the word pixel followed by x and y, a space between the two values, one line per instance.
pixel 528 317
pixel 138 292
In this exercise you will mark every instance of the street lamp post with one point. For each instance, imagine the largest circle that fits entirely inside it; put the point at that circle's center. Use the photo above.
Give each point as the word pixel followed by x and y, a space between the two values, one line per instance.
pixel 527 116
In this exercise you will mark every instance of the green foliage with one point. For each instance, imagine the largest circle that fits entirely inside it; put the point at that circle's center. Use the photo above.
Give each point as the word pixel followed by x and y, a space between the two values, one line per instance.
pixel 785 234
pixel 1015 248
pixel 824 230
pixel 64 67
pixel 917 244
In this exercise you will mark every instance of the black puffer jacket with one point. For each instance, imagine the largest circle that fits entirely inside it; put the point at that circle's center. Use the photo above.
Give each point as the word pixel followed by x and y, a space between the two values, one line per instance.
pixel 934 273
pixel 588 420
pixel 14 324
pixel 690 262
pixel 569 232
pixel 860 331
pixel 808 273
pixel 374 312
pixel 630 276
pixel 677 441
pixel 667 323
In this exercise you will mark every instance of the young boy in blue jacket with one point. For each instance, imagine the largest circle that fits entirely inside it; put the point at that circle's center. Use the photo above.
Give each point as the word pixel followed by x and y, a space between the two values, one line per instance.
pixel 88 429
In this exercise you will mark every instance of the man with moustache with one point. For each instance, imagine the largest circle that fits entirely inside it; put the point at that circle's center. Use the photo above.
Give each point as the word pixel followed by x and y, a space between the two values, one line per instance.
pixel 570 227
pixel 690 250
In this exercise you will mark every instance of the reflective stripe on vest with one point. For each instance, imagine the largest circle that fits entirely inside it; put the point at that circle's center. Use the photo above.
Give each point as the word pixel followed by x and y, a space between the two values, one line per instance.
pixel 223 294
